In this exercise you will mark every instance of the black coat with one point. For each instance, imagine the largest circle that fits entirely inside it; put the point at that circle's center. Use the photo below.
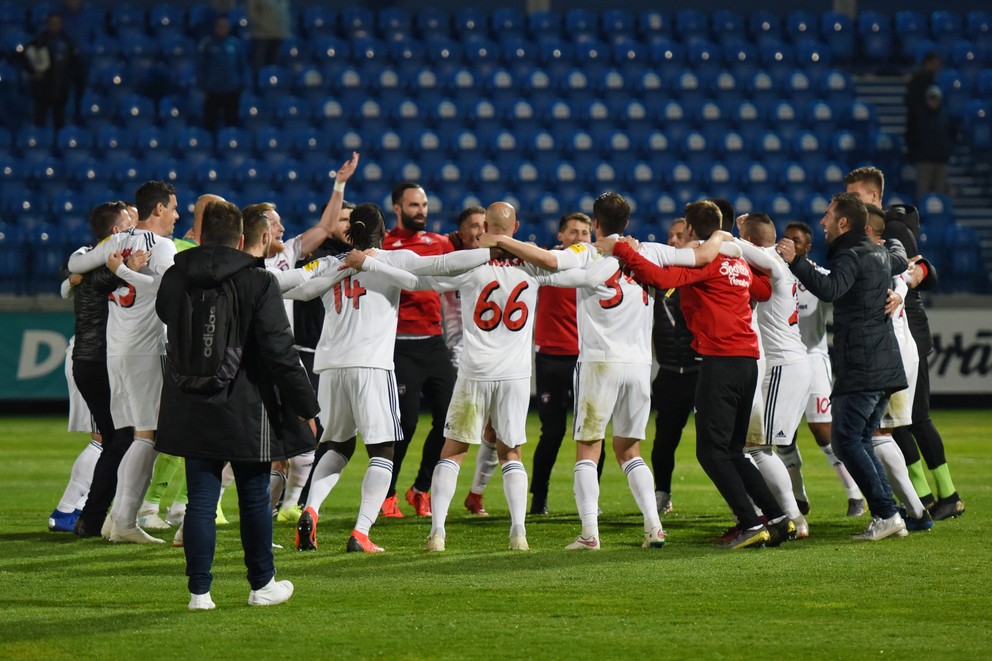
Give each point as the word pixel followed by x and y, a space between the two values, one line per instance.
pixel 671 336
pixel 902 222
pixel 90 303
pixel 865 355
pixel 257 418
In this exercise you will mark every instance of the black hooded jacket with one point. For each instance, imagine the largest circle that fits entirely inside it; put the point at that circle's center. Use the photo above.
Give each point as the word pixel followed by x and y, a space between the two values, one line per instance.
pixel 865 355
pixel 258 417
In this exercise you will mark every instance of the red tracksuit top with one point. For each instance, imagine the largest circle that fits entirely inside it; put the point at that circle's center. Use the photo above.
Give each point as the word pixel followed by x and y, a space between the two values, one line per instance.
pixel 715 299
pixel 420 311
pixel 556 331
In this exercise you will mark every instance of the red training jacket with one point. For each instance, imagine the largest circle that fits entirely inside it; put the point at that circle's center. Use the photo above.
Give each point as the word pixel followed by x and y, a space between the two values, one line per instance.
pixel 420 311
pixel 556 332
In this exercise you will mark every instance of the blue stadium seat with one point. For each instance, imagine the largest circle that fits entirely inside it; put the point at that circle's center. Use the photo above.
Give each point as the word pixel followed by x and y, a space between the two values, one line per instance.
pixel 802 25
pixel 765 26
pixel 936 208
pixel 542 24
pixel 728 26
pixel 135 110
pixel 968 58
pixel 956 87
pixel 911 28
pixel 394 23
pixel 432 23
pixel 741 59
pixel 837 85
pixel 618 25
pixel 252 175
pixel 797 87
pixel 319 21
pixel 875 35
pixel 47 254
pixel 978 123
pixel 357 21
pixel 74 144
pixel 128 20
pixel 505 22
pixel 691 24
pixel 837 31
pixel 33 143
pixel 978 27
pixel 581 24
pixel 470 22
pixel 946 27
pixel 166 18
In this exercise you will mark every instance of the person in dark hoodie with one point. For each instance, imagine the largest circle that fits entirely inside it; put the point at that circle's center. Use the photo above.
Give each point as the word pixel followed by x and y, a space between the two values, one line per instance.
pixel 902 222
pixel 232 424
pixel 51 59
pixel 865 356
pixel 930 143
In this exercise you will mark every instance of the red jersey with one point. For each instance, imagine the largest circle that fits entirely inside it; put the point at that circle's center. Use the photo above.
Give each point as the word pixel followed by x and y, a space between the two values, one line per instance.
pixel 556 332
pixel 420 311
pixel 715 300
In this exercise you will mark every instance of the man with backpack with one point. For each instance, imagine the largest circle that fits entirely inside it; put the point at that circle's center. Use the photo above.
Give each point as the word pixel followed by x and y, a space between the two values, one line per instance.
pixel 229 347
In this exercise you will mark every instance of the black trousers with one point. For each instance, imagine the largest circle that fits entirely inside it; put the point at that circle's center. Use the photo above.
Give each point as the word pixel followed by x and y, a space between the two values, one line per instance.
pixel 555 376
pixel 94 385
pixel 724 392
pixel 673 393
pixel 923 431
pixel 220 109
pixel 422 367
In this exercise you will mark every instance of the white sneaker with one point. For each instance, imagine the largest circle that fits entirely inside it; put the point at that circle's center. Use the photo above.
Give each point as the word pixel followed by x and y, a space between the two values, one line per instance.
pixel 655 539
pixel 274 593
pixel 880 528
pixel 152 521
pixel 802 527
pixel 519 543
pixel 201 602
pixel 664 500
pixel 176 514
pixel 177 541
pixel 584 544
pixel 435 543
pixel 133 536
pixel 108 526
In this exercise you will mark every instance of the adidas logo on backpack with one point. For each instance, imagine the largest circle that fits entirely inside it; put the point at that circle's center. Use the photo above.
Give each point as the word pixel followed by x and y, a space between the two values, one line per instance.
pixel 204 348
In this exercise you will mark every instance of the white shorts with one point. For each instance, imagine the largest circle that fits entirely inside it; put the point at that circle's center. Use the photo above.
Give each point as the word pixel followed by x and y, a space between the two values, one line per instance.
pixel 899 412
pixel 80 418
pixel 135 390
pixel 621 391
pixel 359 400
pixel 821 382
pixel 756 422
pixel 785 389
pixel 503 403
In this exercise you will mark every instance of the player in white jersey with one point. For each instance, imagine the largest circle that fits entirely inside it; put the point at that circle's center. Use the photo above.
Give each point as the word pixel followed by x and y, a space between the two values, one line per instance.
pixel 134 357
pixel 354 361
pixel 899 412
pixel 813 315
pixel 283 256
pixel 613 373
pixel 493 383
pixel 784 385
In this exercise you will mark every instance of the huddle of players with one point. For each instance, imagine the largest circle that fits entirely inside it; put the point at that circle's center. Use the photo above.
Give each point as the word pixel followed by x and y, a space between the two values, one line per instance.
pixel 497 292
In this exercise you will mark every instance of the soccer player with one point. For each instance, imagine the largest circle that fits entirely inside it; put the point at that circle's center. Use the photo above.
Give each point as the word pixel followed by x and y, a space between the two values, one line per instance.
pixel 813 330
pixel 716 304
pixel 864 354
pixel 134 358
pixel 493 384
pixel 354 360
pixel 903 223
pixel 423 365
pixel 784 384
pixel 556 338
pixel 613 373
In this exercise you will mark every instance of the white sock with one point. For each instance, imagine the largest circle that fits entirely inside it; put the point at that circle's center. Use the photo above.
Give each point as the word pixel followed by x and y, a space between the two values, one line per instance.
pixel 515 489
pixel 586 489
pixel 277 483
pixel 486 462
pixel 793 460
pixel 853 492
pixel 443 486
pixel 641 484
pixel 777 478
pixel 325 476
pixel 299 471
pixel 895 466
pixel 119 492
pixel 375 484
pixel 80 478
pixel 177 511
pixel 133 479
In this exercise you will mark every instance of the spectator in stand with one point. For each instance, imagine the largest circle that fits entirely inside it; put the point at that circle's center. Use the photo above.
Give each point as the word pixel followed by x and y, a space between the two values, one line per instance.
pixel 81 24
pixel 51 60
pixel 222 73
pixel 556 336
pixel 675 385
pixel 269 23
pixel 930 144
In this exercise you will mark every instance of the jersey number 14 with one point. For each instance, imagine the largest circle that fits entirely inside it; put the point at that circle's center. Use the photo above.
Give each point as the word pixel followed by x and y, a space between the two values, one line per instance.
pixel 347 289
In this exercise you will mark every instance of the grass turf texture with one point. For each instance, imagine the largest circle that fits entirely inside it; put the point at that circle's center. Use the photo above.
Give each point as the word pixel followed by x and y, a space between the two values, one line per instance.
pixel 925 596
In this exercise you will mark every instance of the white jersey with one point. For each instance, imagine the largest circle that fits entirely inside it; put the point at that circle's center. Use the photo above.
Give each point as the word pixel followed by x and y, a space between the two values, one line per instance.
pixel 133 327
pixel 361 310
pixel 498 301
pixel 615 313
pixel 778 317
pixel 813 318
pixel 286 261
pixel 451 317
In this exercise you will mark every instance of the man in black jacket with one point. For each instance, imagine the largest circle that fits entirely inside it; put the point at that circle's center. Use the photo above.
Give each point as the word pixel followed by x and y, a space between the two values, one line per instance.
pixel 233 424
pixel 865 356
pixel 902 222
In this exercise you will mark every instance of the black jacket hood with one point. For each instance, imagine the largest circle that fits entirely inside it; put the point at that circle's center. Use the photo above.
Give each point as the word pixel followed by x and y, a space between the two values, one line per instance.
pixel 207 266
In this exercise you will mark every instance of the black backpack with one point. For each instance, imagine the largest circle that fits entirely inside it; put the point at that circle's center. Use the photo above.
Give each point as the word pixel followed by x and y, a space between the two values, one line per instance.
pixel 204 345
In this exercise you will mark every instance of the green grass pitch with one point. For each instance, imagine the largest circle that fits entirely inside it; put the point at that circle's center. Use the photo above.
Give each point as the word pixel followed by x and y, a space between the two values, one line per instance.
pixel 921 597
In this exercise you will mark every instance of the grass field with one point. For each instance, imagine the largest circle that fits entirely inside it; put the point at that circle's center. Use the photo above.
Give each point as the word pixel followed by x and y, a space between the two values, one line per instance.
pixel 922 597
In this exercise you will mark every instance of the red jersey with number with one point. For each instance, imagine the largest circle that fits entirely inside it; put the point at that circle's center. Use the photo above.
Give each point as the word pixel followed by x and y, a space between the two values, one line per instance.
pixel 420 311
pixel 498 301
pixel 715 300
pixel 556 331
